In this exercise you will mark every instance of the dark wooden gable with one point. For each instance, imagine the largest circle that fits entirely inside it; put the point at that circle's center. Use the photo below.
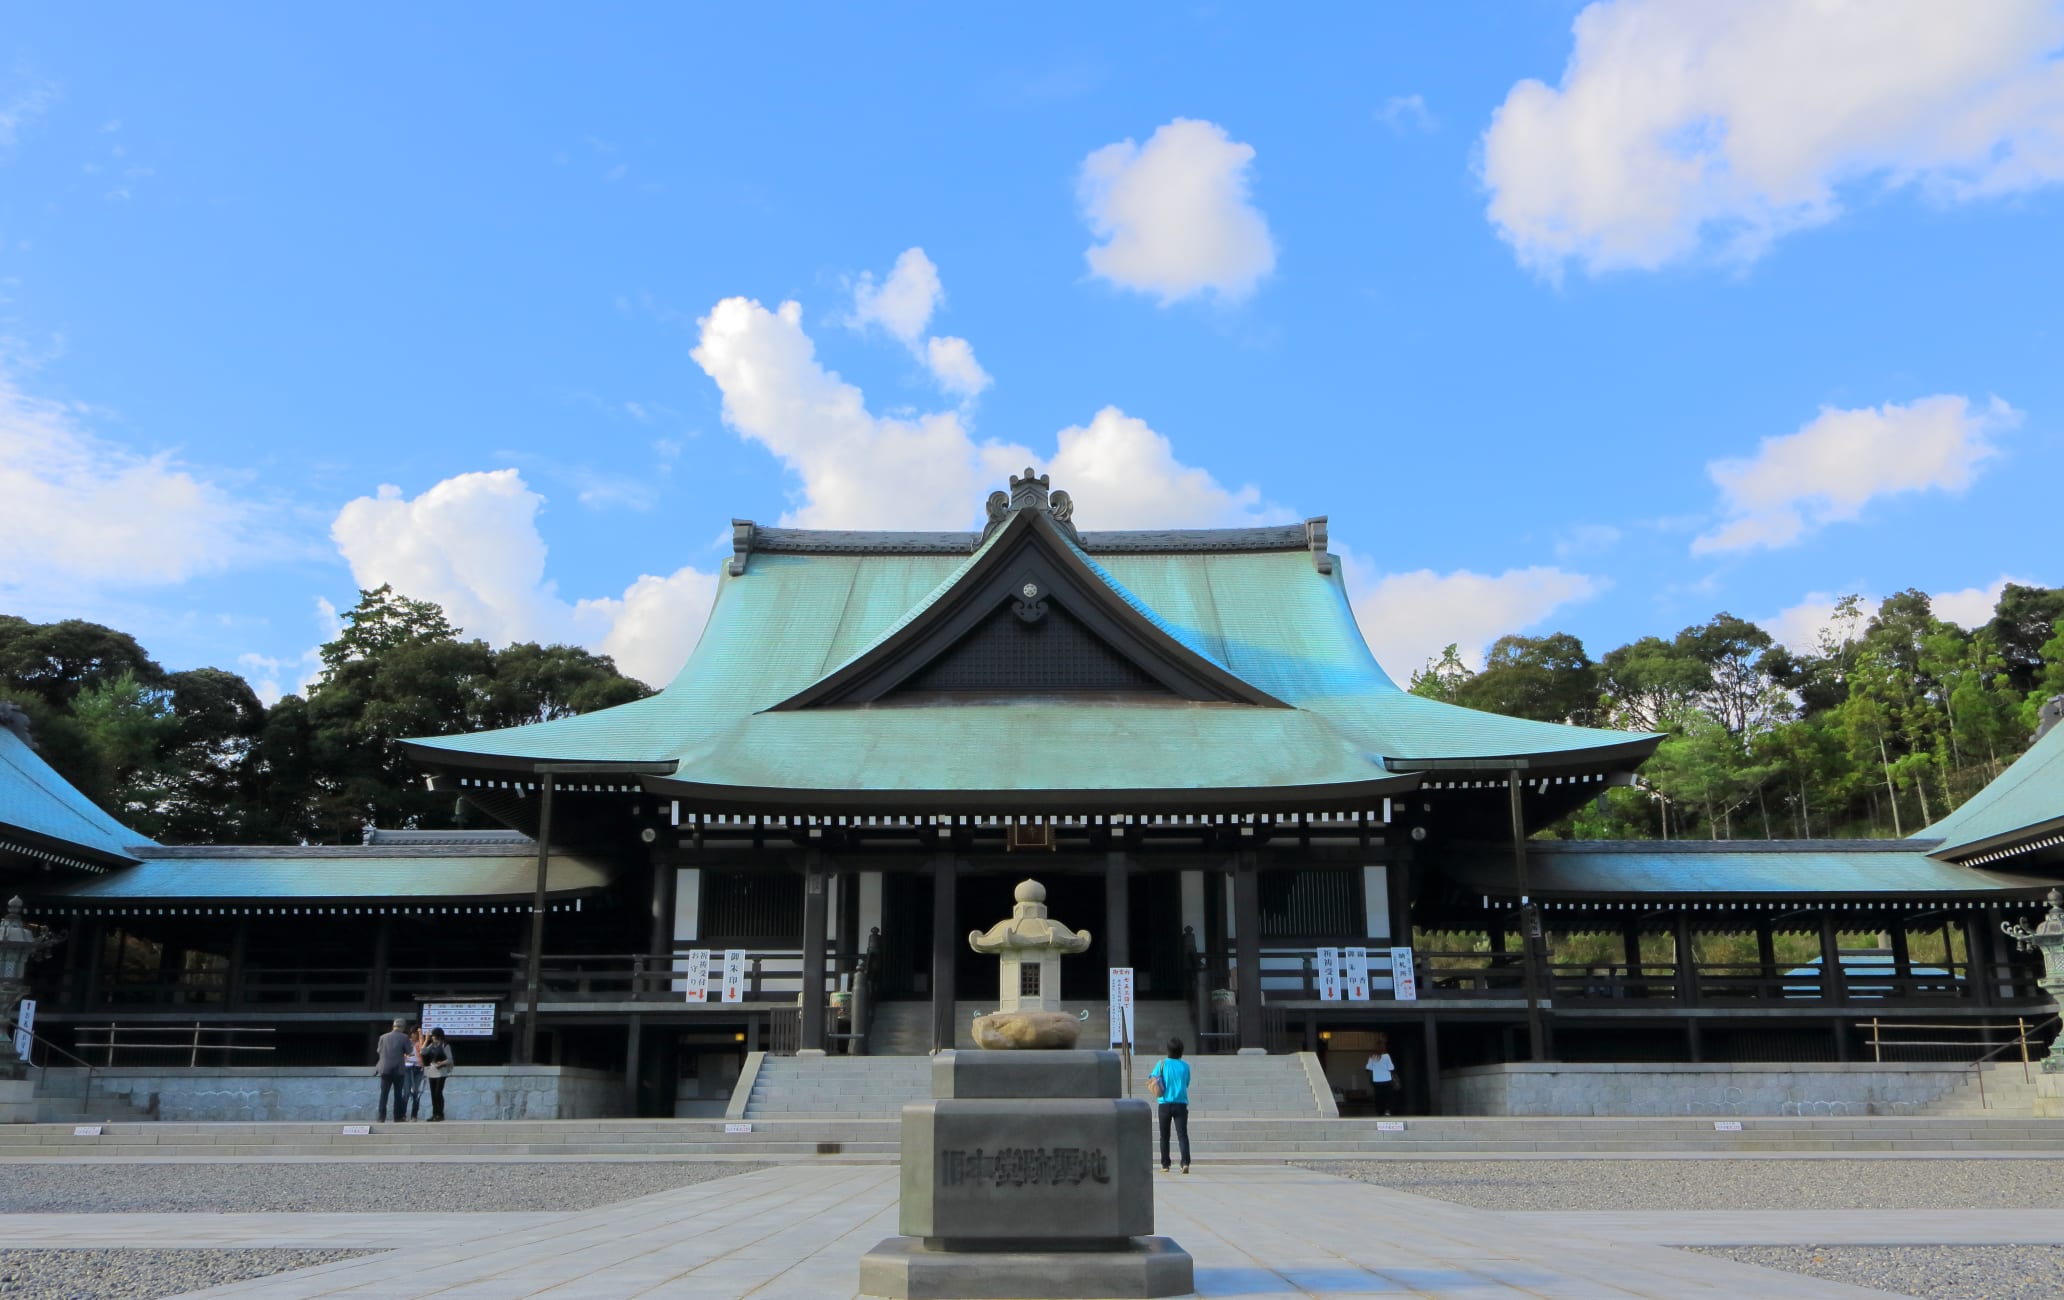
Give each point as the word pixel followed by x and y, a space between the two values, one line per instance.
pixel 1029 616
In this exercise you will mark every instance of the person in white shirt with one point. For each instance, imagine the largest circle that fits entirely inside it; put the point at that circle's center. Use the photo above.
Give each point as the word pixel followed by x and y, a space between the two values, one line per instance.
pixel 1384 1078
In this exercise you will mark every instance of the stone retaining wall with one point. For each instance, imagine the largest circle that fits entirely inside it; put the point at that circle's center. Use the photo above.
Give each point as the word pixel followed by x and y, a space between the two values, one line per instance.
pixel 1806 1090
pixel 321 1093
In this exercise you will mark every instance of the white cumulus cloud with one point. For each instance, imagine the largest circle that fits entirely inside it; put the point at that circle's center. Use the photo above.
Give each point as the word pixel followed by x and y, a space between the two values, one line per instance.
pixel 1677 125
pixel 1408 618
pixel 903 305
pixel 1173 216
pixel 860 470
pixel 471 544
pixel 77 509
pixel 1839 461
pixel 1972 607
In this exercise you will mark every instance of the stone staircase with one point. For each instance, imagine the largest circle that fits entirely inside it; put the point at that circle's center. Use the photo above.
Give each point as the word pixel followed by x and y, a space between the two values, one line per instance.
pixel 2007 1091
pixel 1225 1087
pixel 61 1098
pixel 876 1140
pixel 845 1087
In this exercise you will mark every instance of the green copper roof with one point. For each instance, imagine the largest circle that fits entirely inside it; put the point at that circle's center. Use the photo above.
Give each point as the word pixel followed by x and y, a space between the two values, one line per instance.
pixel 401 872
pixel 49 818
pixel 2024 801
pixel 1251 602
pixel 1757 867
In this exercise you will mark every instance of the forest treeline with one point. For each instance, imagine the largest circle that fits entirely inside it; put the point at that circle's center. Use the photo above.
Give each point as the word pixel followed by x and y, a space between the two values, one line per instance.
pixel 1892 719
pixel 195 757
pixel 1885 725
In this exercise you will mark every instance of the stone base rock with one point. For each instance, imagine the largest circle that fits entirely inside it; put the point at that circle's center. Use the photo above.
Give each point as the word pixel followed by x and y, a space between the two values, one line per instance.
pixel 904 1268
pixel 1020 1030
pixel 2049 1096
pixel 17 1101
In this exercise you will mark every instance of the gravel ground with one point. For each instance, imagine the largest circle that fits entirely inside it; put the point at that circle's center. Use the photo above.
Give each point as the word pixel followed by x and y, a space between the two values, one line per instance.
pixel 142 1274
pixel 27 1188
pixel 1720 1184
pixel 1930 1272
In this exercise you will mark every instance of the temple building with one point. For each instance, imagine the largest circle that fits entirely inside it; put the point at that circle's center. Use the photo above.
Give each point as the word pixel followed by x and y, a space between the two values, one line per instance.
pixel 1181 733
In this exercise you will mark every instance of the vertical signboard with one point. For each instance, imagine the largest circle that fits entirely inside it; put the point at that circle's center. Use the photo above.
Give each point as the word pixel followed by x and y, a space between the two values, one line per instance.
pixel 1329 974
pixel 695 976
pixel 1355 973
pixel 24 1023
pixel 734 974
pixel 1403 983
pixel 1121 1005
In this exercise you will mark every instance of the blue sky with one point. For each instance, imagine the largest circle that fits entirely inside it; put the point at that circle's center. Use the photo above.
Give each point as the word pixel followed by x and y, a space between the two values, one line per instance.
pixel 1595 318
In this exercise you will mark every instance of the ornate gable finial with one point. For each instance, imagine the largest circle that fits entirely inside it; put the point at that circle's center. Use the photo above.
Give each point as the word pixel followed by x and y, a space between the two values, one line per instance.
pixel 1029 491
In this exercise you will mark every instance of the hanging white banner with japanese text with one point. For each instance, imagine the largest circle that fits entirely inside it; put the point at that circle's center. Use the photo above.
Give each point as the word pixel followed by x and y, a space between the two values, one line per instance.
pixel 1355 973
pixel 1329 974
pixel 1121 1005
pixel 734 974
pixel 695 975
pixel 1404 985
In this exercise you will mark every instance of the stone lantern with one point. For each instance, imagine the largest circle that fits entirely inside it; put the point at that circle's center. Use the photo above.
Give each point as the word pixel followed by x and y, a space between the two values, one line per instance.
pixel 19 941
pixel 2048 939
pixel 1028 948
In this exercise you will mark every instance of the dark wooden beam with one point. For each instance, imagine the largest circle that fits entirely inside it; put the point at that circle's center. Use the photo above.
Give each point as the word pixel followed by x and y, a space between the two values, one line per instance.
pixel 814 920
pixel 945 949
pixel 1117 908
pixel 1247 946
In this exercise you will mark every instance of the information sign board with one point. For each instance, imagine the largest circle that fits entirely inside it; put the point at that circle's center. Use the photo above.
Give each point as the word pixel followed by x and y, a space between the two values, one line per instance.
pixel 1390 1126
pixel 734 974
pixel 1354 977
pixel 1329 974
pixel 24 1023
pixel 1404 985
pixel 1121 1005
pixel 695 978
pixel 460 1019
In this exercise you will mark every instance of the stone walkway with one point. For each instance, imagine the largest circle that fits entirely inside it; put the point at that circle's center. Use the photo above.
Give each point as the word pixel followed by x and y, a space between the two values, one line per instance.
pixel 797 1232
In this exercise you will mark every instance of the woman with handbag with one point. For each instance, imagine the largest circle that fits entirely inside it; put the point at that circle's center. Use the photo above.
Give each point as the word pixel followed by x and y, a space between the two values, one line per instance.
pixel 1169 1085
pixel 437 1067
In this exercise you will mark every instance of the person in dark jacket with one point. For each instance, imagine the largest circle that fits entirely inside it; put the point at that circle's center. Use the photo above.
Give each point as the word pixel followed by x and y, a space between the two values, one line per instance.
pixel 390 1060
pixel 437 1067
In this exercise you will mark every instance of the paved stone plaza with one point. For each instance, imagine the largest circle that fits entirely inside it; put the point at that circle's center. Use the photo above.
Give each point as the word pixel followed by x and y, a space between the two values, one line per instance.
pixel 1262 1230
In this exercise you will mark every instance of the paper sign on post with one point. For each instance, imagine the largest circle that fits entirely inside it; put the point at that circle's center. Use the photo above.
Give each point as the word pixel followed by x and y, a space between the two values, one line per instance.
pixel 734 974
pixel 1355 973
pixel 1329 974
pixel 1404 985
pixel 695 977
pixel 24 1023
pixel 1121 1005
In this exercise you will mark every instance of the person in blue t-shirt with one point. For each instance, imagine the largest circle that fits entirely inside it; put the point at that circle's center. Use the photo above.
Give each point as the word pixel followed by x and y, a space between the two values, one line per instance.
pixel 1174 1097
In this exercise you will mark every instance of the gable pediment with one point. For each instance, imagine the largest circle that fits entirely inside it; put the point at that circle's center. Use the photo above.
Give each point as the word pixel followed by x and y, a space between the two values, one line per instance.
pixel 1029 615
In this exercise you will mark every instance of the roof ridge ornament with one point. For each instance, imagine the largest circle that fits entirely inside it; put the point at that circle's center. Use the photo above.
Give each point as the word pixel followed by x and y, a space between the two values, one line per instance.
pixel 1030 491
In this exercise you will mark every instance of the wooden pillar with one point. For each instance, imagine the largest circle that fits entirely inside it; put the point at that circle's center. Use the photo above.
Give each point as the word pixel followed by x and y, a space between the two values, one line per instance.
pixel 945 1020
pixel 1766 958
pixel 239 948
pixel 634 1040
pixel 96 955
pixel 534 953
pixel 1247 942
pixel 1530 943
pixel 383 957
pixel 1834 983
pixel 1902 957
pixel 664 874
pixel 1399 880
pixel 1630 947
pixel 1984 990
pixel 1684 960
pixel 1430 1033
pixel 1117 908
pixel 814 920
pixel 1694 1042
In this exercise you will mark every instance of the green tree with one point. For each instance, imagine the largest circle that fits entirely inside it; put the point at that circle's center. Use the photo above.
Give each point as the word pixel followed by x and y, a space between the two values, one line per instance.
pixel 1549 678
pixel 1442 678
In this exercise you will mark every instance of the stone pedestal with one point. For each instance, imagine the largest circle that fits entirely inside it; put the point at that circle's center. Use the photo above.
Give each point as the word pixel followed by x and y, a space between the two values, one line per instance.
pixel 2049 1095
pixel 1026 1176
pixel 17 1101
